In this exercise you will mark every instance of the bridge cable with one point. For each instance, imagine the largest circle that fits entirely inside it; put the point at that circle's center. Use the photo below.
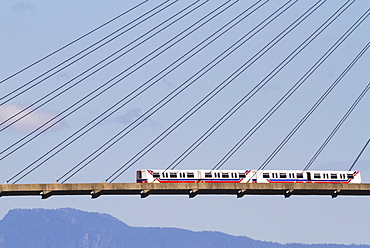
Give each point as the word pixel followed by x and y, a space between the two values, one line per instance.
pixel 273 109
pixel 314 107
pixel 185 85
pixel 337 127
pixel 238 145
pixel 200 104
pixel 78 59
pixel 242 101
pixel 72 42
pixel 89 100
pixel 169 95
pixel 140 86
pixel 359 155
pixel 238 105
pixel 97 70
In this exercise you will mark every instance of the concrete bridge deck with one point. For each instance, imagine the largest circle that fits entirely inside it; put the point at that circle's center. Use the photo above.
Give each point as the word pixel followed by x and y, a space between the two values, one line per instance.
pixel 191 189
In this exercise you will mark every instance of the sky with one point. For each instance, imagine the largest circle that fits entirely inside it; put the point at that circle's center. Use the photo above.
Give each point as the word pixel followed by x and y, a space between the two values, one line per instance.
pixel 31 30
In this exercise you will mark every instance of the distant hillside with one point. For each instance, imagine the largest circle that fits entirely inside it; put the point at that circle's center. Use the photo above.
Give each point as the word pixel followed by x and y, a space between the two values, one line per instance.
pixel 74 228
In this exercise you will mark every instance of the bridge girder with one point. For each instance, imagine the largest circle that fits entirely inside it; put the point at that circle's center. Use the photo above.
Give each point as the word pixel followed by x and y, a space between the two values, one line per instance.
pixel 191 189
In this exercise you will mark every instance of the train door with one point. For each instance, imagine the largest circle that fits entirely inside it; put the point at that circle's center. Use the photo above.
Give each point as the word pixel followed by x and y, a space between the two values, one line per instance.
pixel 308 176
pixel 199 175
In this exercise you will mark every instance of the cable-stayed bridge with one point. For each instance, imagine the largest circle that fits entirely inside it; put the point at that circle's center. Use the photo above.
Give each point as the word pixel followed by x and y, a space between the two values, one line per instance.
pixel 179 85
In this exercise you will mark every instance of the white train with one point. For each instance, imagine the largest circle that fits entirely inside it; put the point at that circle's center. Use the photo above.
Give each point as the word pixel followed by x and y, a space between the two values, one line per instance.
pixel 246 176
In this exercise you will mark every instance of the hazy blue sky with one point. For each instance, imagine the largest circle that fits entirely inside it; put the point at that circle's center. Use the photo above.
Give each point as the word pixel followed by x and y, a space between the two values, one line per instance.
pixel 32 29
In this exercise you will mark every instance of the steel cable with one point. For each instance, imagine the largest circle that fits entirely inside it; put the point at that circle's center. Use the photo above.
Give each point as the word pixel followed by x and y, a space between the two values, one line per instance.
pixel 84 72
pixel 192 111
pixel 72 42
pixel 335 130
pixel 214 11
pixel 75 55
pixel 359 155
pixel 145 116
pixel 241 102
pixel 46 124
pixel 314 107
pixel 287 95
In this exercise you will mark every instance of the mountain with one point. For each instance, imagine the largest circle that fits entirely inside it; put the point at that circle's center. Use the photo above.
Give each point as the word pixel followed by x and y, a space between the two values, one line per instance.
pixel 74 228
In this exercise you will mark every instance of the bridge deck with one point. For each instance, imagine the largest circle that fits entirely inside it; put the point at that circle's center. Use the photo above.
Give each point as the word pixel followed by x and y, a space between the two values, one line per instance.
pixel 190 189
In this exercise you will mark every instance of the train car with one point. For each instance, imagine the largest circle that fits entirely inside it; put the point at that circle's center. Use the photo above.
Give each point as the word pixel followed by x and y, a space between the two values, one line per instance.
pixel 296 176
pixel 246 176
pixel 193 176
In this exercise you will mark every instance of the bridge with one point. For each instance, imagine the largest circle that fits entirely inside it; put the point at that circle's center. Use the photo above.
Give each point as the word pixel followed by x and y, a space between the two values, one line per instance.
pixel 156 96
pixel 191 189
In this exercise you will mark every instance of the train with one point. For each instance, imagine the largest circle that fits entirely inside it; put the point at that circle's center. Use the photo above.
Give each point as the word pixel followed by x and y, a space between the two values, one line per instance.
pixel 247 176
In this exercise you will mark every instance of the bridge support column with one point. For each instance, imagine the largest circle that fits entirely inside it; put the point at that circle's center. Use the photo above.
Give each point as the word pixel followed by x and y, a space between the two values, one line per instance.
pixel 45 194
pixel 288 193
pixel 241 193
pixel 193 193
pixel 95 194
pixel 144 193
pixel 335 194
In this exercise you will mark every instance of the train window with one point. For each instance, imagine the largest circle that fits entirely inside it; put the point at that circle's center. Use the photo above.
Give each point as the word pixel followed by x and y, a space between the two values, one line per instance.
pixel 156 174
pixel 299 175
pixel 350 176
pixel 241 175
pixel 316 175
pixel 225 175
pixel 139 174
pixel 173 175
pixel 208 175
pixel 282 175
pixel 190 175
pixel 333 176
pixel 265 175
